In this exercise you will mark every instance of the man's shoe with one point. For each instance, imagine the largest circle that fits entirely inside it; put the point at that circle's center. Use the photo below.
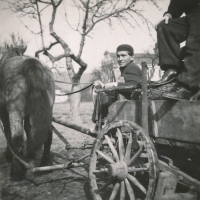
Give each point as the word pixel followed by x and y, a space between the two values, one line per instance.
pixel 181 94
pixel 167 77
pixel 94 130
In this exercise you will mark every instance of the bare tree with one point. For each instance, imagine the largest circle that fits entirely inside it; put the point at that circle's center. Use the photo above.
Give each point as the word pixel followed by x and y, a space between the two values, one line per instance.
pixel 105 73
pixel 91 13
pixel 154 60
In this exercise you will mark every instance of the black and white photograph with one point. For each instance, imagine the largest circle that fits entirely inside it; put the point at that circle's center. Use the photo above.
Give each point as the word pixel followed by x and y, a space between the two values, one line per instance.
pixel 99 99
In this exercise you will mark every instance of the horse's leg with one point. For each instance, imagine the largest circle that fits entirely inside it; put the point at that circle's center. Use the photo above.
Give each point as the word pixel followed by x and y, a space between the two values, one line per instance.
pixel 46 157
pixel 6 125
pixel 27 128
pixel 16 126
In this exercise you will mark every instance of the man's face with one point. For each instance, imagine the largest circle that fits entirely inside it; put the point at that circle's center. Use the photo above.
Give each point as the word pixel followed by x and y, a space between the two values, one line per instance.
pixel 124 58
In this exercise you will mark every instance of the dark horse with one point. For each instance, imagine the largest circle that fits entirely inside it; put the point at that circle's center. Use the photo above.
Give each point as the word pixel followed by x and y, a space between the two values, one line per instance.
pixel 27 93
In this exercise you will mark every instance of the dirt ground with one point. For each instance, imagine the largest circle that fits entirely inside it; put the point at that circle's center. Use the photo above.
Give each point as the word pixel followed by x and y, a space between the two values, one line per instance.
pixel 70 184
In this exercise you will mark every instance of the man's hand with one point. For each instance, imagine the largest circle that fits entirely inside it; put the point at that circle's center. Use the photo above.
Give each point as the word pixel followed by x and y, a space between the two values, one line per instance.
pixel 106 86
pixel 165 18
pixel 98 83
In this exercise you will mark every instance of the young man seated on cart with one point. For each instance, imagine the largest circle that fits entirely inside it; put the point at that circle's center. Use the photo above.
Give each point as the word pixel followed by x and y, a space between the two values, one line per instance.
pixel 131 74
pixel 181 66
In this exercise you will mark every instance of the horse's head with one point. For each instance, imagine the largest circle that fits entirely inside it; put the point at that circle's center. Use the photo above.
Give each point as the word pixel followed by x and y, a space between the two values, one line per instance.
pixel 20 49
pixel 13 51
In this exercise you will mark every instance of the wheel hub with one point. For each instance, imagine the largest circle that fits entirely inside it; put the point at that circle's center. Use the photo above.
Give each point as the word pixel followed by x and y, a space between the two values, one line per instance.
pixel 118 170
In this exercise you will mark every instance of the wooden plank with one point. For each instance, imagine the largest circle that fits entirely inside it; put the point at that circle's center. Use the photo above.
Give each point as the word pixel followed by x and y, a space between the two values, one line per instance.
pixel 179 196
pixel 60 136
pixel 176 120
pixel 125 110
pixel 71 125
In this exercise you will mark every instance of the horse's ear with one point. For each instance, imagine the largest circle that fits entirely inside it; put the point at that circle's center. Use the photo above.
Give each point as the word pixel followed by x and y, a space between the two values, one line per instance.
pixel 24 49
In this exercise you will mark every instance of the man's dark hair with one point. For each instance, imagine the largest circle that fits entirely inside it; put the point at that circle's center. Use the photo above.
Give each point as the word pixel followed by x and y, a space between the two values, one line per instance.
pixel 125 47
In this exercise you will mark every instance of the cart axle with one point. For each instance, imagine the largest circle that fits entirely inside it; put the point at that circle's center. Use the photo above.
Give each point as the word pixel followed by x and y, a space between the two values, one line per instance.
pixel 118 170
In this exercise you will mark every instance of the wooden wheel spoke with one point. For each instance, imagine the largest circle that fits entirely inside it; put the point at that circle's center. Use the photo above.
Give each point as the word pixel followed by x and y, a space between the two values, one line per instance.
pixel 133 169
pixel 114 152
pixel 102 170
pixel 121 145
pixel 105 157
pixel 138 153
pixel 130 190
pixel 133 152
pixel 137 183
pixel 122 191
pixel 115 191
pixel 104 186
pixel 128 149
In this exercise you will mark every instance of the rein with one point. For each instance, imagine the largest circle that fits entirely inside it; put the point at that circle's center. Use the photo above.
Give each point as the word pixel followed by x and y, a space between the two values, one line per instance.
pixel 69 93
pixel 27 165
pixel 71 83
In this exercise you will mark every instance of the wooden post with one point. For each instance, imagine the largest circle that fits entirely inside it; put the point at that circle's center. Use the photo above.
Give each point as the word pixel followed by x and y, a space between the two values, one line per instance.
pixel 166 187
pixel 166 184
pixel 145 125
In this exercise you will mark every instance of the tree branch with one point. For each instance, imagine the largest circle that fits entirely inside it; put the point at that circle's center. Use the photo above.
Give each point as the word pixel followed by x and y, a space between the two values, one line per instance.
pixel 40 22
pixel 84 29
pixel 45 49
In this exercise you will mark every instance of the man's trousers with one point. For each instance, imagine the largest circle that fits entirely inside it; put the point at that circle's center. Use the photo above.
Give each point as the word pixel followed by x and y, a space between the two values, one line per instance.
pixel 170 36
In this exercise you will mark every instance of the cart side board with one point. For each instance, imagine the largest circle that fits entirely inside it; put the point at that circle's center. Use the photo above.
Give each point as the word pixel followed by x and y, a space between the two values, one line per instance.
pixel 169 119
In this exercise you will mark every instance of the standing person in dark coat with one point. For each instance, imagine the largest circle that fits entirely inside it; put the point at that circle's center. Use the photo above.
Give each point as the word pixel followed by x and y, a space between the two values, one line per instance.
pixel 129 71
pixel 171 31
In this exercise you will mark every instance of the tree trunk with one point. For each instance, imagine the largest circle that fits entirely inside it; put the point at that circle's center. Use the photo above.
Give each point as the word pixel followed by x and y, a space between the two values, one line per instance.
pixel 75 100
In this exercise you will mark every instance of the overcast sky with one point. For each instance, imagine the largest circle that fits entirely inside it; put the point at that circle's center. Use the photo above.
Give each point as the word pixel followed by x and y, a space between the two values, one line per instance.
pixel 102 39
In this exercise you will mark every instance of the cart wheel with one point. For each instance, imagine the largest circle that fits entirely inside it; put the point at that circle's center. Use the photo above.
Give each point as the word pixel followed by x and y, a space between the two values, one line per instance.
pixel 123 163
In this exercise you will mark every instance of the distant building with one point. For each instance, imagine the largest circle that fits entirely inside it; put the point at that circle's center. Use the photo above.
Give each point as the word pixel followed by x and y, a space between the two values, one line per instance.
pixel 109 62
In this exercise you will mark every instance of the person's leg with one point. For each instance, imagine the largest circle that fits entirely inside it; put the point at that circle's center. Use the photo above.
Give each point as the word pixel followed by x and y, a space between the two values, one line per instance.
pixel 94 114
pixel 169 37
pixel 191 75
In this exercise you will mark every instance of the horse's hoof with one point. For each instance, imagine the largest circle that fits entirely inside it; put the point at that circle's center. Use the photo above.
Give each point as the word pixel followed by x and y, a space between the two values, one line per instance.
pixel 48 161
pixel 9 155
pixel 30 175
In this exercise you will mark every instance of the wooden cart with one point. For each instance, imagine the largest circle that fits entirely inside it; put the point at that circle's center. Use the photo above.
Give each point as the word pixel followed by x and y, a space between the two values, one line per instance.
pixel 141 148
pixel 131 162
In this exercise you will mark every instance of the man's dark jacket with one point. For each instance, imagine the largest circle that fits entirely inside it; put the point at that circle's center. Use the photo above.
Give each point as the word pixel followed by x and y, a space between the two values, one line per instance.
pixel 132 75
pixel 178 7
